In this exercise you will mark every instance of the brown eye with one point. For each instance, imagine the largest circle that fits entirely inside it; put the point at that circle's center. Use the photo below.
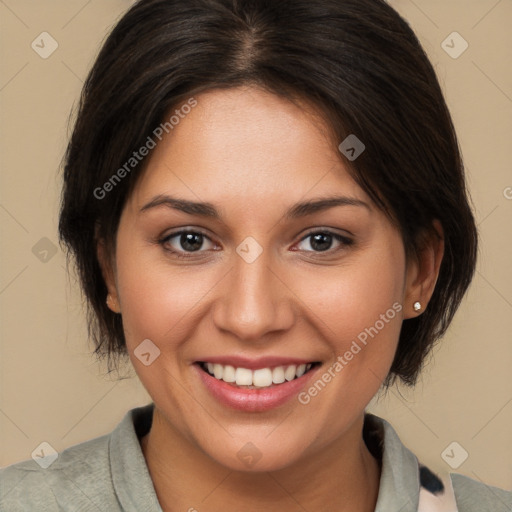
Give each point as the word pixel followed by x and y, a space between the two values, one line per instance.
pixel 183 243
pixel 322 241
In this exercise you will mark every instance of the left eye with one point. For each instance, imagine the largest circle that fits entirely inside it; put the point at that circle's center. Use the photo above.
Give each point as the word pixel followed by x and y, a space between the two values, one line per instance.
pixel 321 241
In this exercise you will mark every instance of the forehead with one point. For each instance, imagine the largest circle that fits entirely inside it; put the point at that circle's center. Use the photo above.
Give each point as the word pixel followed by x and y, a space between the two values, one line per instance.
pixel 250 145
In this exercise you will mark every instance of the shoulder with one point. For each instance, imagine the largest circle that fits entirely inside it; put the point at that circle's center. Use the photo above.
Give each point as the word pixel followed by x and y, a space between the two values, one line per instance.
pixel 475 496
pixel 405 479
pixel 79 473
pixel 98 474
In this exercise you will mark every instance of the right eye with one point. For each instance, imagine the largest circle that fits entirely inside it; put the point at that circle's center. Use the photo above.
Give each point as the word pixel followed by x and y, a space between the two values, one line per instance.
pixel 184 243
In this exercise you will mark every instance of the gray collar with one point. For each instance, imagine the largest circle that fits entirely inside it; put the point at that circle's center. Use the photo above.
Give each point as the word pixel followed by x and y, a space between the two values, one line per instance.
pixel 130 475
pixel 399 482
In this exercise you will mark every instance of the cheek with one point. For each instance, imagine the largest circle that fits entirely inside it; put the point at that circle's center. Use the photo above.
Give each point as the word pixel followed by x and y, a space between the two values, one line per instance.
pixel 354 296
pixel 153 297
pixel 155 300
pixel 357 310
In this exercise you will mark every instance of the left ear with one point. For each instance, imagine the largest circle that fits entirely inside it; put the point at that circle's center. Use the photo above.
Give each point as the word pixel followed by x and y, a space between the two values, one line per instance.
pixel 423 270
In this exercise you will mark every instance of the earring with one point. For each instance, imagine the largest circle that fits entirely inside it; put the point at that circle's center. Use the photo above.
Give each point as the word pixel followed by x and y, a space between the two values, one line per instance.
pixel 417 306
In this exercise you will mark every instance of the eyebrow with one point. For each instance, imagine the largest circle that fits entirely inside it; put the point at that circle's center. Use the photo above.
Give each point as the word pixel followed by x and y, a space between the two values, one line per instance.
pixel 205 209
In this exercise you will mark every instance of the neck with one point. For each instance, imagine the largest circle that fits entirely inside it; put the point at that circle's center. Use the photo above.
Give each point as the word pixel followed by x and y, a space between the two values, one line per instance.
pixel 342 477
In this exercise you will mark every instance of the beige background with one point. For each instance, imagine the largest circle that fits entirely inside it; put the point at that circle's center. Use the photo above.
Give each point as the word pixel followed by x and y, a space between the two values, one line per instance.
pixel 52 389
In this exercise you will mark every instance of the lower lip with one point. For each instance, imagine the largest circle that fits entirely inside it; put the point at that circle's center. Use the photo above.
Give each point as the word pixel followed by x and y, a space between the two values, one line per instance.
pixel 253 400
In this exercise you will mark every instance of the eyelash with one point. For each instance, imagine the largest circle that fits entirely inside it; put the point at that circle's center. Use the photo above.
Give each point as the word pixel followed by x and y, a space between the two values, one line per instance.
pixel 343 240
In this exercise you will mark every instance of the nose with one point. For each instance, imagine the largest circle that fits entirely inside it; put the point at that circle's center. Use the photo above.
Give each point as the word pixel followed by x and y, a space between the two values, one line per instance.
pixel 253 301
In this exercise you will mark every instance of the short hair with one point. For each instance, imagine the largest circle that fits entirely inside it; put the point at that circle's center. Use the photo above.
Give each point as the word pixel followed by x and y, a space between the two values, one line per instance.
pixel 356 61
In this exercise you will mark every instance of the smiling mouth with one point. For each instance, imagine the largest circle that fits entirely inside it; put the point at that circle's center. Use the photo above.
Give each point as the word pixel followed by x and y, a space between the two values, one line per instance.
pixel 256 379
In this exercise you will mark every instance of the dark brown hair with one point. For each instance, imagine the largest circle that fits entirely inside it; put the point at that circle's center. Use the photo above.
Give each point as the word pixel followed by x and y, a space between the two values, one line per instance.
pixel 357 61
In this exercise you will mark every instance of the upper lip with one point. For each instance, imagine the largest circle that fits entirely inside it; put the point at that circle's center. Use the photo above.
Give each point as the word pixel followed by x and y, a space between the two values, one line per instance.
pixel 255 363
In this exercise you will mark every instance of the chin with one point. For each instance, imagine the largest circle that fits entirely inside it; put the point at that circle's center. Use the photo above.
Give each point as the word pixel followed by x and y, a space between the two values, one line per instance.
pixel 259 455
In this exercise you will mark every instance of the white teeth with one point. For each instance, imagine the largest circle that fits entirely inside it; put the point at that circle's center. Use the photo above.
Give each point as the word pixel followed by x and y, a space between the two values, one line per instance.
pixel 243 377
pixel 278 375
pixel 261 378
pixel 301 370
pixel 218 371
pixel 289 373
pixel 229 374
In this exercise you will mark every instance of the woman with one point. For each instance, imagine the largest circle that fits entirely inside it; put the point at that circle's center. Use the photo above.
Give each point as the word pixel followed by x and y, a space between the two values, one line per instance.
pixel 267 208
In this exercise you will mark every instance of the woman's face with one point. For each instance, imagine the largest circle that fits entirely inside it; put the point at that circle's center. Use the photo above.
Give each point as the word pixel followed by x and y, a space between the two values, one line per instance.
pixel 262 282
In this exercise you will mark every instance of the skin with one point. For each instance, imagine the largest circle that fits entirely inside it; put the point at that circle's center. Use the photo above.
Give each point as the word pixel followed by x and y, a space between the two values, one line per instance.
pixel 253 155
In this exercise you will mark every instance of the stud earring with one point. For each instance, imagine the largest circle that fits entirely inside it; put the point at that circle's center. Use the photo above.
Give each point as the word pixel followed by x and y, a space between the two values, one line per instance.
pixel 417 306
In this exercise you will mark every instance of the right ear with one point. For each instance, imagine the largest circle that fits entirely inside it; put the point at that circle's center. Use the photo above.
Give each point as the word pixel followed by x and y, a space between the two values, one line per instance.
pixel 108 273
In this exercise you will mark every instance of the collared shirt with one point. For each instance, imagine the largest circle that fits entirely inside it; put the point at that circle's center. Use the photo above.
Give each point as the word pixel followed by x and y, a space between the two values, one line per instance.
pixel 109 474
